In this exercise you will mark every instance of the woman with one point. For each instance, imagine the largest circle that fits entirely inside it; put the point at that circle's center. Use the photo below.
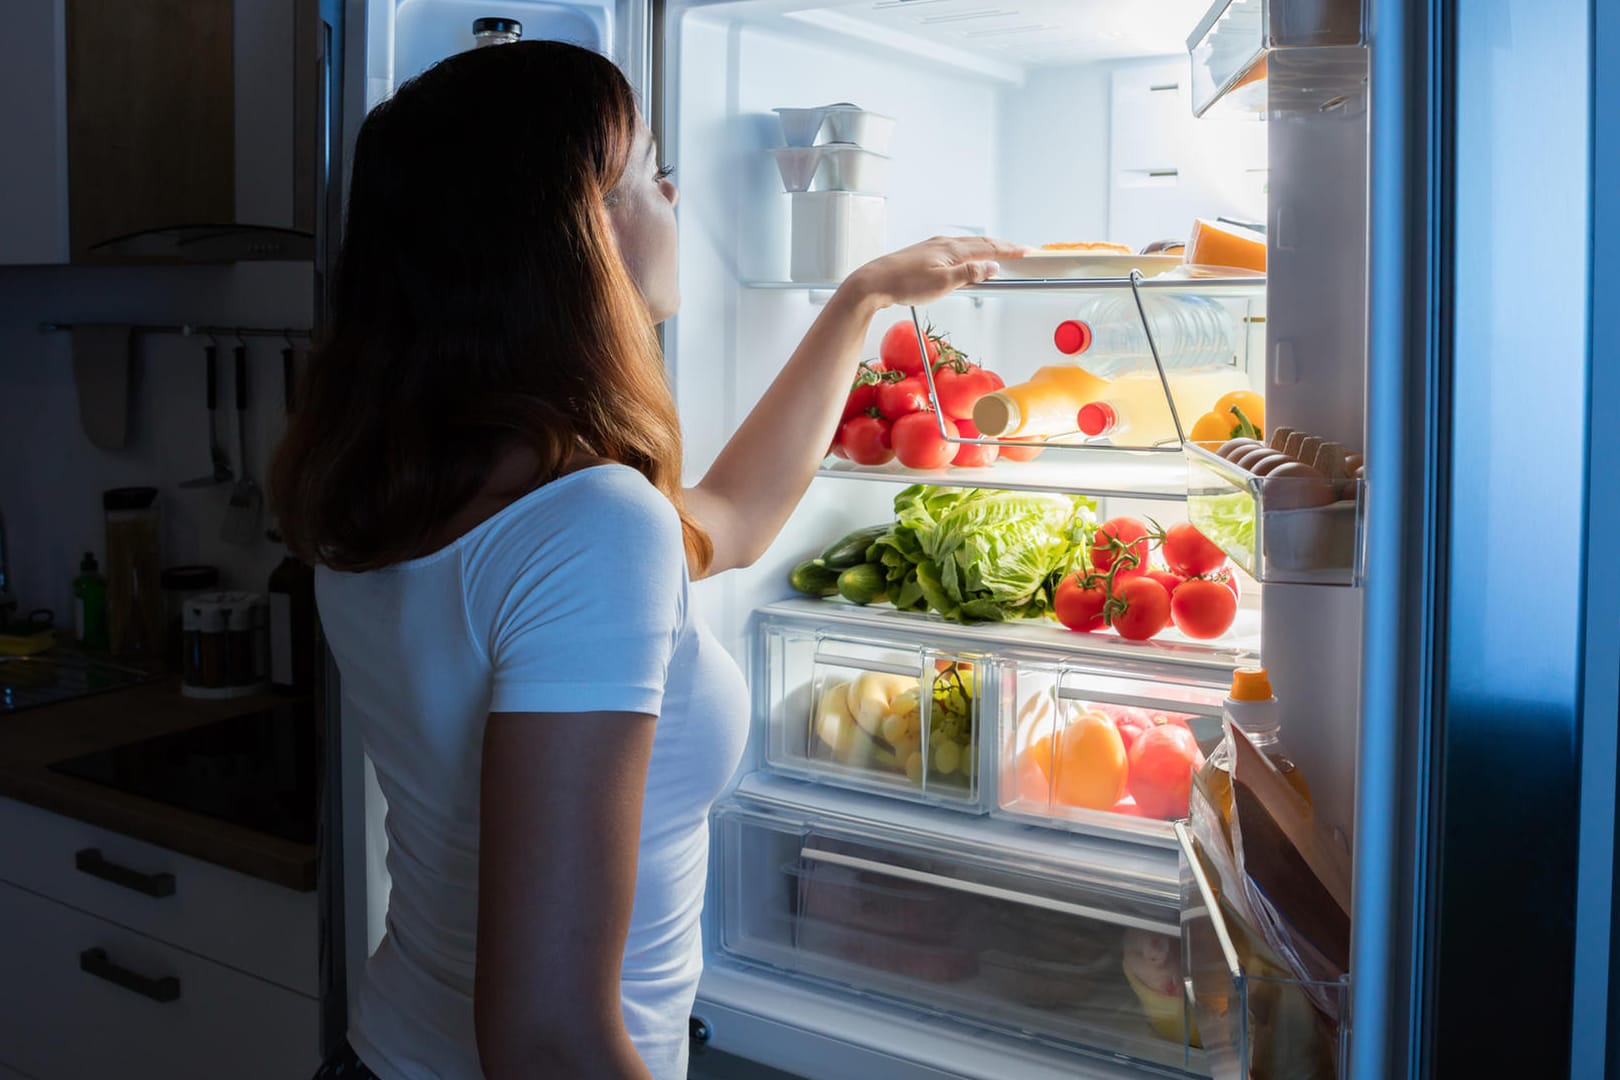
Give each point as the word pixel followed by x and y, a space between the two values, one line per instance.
pixel 486 465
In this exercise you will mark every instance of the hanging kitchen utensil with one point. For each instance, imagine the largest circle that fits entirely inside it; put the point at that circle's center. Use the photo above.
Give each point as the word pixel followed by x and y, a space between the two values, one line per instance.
pixel 103 355
pixel 222 473
pixel 247 502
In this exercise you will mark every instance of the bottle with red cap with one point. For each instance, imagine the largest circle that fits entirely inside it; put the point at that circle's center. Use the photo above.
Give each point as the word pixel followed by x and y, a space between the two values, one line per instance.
pixel 1133 411
pixel 1106 338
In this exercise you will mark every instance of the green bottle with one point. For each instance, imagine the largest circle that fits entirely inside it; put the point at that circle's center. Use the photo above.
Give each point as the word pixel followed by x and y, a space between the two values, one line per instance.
pixel 90 605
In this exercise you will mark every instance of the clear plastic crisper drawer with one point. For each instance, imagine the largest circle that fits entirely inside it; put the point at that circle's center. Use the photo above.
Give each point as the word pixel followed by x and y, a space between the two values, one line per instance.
pixel 899 717
pixel 1103 752
pixel 1041 946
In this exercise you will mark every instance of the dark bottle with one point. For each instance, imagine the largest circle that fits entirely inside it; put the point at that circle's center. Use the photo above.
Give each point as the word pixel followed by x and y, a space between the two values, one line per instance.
pixel 292 626
pixel 90 605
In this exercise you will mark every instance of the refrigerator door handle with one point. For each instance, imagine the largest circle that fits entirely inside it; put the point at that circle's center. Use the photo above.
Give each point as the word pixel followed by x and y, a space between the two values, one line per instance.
pixel 993 892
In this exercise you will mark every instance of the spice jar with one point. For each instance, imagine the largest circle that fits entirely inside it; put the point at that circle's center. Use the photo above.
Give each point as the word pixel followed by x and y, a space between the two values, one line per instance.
pixel 224 640
pixel 180 585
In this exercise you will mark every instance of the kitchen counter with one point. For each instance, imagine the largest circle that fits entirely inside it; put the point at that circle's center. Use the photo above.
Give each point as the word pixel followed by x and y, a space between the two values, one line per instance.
pixel 32 739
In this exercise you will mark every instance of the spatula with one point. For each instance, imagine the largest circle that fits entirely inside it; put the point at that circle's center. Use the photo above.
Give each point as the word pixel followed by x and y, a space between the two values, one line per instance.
pixel 243 512
pixel 216 450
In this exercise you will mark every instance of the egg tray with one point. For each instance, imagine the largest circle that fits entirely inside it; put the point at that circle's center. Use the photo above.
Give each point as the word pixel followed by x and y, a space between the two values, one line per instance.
pixel 1260 523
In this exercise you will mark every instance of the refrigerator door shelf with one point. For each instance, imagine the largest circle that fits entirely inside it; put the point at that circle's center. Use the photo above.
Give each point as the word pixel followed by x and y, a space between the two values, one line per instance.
pixel 1065 741
pixel 1231 44
pixel 897 717
pixel 1251 1020
pixel 1036 948
pixel 1303 531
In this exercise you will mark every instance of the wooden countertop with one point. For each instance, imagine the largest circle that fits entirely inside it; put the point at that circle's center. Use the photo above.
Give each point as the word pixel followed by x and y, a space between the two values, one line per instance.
pixel 32 739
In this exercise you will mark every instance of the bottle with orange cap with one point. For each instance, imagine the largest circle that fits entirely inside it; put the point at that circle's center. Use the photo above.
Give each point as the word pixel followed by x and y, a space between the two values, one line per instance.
pixel 1250 707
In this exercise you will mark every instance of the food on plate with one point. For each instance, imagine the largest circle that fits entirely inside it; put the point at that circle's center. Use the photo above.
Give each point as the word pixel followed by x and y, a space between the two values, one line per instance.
pixel 918 443
pixel 973 455
pixel 1218 243
pixel 1093 247
pixel 1152 965
pixel 1162 761
pixel 1165 247
pixel 1201 608
pixel 1045 405
pixel 1084 762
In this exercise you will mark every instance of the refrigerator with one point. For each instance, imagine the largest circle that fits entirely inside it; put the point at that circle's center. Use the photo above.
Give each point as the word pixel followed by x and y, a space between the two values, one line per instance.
pixel 1431 179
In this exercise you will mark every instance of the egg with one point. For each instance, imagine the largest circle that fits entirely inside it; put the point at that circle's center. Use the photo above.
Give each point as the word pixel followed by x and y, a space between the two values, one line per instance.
pixel 1249 454
pixel 1305 487
pixel 1270 463
pixel 1232 447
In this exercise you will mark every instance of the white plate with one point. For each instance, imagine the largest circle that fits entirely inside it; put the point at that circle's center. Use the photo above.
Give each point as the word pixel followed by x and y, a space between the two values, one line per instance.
pixel 1070 264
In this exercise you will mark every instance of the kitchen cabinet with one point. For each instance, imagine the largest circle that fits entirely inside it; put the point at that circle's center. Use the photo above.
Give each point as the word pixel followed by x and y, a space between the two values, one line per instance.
pixel 187 130
pixel 241 954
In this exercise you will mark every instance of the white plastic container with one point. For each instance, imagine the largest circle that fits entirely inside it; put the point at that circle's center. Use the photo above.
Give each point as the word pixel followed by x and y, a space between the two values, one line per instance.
pixel 848 124
pixel 846 167
pixel 834 232
pixel 797 164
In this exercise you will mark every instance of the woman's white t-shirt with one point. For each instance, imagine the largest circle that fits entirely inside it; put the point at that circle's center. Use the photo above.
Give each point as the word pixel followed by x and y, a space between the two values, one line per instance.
pixel 571 599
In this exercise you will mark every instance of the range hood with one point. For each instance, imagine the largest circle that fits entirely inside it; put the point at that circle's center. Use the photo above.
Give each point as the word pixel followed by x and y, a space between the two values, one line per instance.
pixel 220 243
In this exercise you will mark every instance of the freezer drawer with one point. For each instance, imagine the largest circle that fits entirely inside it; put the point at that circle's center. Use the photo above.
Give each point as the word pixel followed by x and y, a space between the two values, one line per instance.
pixel 893 715
pixel 1032 944
pixel 1067 751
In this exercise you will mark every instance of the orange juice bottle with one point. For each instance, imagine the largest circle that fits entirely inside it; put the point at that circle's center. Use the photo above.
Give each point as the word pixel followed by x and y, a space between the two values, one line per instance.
pixel 1134 413
pixel 1045 405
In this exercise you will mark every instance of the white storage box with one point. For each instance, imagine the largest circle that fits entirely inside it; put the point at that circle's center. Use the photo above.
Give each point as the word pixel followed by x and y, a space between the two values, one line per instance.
pixel 834 232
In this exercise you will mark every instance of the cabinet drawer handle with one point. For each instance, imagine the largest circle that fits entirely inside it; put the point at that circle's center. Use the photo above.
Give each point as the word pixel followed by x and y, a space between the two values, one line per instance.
pixel 95 962
pixel 91 861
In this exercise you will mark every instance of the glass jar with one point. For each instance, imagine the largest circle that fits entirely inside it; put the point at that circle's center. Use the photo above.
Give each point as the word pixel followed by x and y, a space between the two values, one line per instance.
pixel 496 31
pixel 134 596
pixel 180 585
pixel 225 637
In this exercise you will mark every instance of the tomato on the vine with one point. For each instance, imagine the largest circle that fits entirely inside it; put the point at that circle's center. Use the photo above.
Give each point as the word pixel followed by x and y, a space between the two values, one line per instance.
pixel 899 351
pixel 1139 608
pixel 1189 552
pixel 1170 581
pixel 866 440
pixel 863 395
pixel 1202 608
pixel 918 443
pixel 960 384
pixel 1123 540
pixel 897 399
pixel 1078 602
pixel 970 455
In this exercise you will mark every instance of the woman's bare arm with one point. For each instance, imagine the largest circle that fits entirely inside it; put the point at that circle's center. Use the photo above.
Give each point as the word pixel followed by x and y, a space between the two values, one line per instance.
pixel 560 826
pixel 765 468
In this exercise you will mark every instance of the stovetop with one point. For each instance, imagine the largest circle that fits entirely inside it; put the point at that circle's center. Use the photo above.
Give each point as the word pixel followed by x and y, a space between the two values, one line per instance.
pixel 259 770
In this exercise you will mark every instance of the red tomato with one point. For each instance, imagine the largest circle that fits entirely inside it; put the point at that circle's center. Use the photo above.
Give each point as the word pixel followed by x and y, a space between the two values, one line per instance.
pixel 996 381
pixel 1189 552
pixel 897 399
pixel 958 390
pixel 1079 606
pixel 1146 608
pixel 1162 763
pixel 917 442
pixel 1126 806
pixel 865 440
pixel 1229 578
pixel 1022 453
pixel 1167 579
pixel 1203 608
pixel 1124 539
pixel 863 395
pixel 899 349
pixel 969 456
pixel 1131 722
pixel 837 447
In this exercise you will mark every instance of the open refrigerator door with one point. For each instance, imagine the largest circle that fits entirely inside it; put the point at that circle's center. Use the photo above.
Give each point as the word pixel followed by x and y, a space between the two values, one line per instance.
pixel 978 881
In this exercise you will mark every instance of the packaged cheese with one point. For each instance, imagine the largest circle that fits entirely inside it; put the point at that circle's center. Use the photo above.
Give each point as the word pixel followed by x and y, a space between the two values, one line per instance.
pixel 1217 243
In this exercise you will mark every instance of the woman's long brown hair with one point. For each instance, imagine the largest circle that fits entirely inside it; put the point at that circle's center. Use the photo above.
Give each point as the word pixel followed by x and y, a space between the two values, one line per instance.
pixel 479 304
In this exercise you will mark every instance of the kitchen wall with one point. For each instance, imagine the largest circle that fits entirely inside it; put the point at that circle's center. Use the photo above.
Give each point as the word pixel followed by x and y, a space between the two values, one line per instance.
pixel 51 476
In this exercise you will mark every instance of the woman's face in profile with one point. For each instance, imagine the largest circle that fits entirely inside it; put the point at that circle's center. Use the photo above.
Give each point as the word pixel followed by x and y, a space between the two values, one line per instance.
pixel 642 209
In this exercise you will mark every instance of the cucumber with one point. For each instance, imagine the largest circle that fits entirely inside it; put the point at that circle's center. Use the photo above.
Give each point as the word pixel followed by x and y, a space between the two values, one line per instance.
pixel 813 579
pixel 863 584
pixel 851 550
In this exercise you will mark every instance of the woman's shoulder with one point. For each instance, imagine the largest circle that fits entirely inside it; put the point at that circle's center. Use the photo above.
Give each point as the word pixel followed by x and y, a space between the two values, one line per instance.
pixel 605 511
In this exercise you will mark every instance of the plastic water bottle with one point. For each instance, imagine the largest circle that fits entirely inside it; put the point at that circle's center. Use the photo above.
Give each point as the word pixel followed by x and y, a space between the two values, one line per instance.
pixel 1107 339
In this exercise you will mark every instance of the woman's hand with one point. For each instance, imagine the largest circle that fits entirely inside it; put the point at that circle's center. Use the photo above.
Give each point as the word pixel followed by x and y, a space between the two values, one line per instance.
pixel 927 271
